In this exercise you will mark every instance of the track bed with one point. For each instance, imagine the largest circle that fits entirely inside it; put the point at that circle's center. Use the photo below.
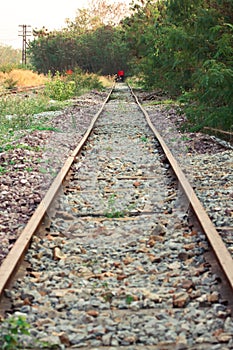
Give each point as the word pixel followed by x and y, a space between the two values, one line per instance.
pixel 117 262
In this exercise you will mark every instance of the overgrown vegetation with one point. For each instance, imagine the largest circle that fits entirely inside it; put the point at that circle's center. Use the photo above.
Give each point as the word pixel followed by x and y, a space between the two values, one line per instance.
pixel 11 329
pixel 18 112
pixel 9 57
pixel 12 77
pixel 64 87
pixel 183 47
pixel 15 335
pixel 113 211
pixel 93 42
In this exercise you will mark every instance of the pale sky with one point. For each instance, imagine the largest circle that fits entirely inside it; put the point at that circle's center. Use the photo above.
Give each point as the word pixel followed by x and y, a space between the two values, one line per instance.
pixel 49 13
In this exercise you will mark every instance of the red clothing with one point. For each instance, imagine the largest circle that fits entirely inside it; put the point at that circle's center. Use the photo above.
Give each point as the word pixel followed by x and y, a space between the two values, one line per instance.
pixel 120 73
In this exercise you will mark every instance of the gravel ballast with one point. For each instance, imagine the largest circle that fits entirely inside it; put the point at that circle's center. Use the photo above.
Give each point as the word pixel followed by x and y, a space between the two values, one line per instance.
pixel 32 161
pixel 126 282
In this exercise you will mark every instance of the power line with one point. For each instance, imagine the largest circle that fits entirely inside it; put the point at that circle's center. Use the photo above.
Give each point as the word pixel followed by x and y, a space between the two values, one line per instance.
pixel 25 32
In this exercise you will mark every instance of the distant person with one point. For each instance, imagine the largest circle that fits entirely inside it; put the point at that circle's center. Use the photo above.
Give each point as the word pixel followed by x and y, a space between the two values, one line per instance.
pixel 121 75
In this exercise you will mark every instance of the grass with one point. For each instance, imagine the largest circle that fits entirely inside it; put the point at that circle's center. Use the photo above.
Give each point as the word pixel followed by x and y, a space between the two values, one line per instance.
pixel 20 114
pixel 2 170
pixel 18 106
pixel 19 146
pixel 106 82
pixel 129 299
pixel 112 212
pixel 20 78
pixel 185 138
pixel 144 139
pixel 15 334
pixel 160 102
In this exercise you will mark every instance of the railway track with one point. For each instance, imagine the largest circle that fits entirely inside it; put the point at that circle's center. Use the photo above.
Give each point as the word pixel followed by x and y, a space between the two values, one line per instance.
pixel 121 258
pixel 23 89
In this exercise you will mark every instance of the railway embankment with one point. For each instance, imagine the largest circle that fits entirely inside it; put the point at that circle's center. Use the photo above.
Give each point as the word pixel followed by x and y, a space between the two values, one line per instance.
pixel 117 262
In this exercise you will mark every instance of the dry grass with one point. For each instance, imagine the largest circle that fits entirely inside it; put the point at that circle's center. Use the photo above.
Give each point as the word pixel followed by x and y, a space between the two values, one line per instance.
pixel 22 78
pixel 106 81
pixel 28 78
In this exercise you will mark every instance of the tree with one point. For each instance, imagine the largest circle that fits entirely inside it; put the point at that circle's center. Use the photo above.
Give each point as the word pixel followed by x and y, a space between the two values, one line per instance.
pixel 185 47
pixel 87 43
pixel 9 56
pixel 54 52
pixel 99 13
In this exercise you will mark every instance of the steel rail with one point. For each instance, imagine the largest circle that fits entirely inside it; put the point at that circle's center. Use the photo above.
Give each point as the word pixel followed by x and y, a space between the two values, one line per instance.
pixel 16 254
pixel 10 264
pixel 222 254
pixel 18 90
pixel 218 130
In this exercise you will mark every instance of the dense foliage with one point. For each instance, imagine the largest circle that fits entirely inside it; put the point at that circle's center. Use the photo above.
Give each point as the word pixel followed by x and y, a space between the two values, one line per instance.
pixel 92 42
pixel 184 47
pixel 9 57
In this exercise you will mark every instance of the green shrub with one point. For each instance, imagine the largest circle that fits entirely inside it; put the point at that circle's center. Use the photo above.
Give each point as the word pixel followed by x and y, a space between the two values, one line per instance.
pixel 9 83
pixel 59 89
pixel 6 68
pixel 15 334
pixel 10 331
pixel 201 115
pixel 15 105
pixel 17 113
pixel 84 81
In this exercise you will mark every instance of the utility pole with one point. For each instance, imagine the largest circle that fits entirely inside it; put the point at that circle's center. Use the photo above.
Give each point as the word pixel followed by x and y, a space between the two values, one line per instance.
pixel 24 32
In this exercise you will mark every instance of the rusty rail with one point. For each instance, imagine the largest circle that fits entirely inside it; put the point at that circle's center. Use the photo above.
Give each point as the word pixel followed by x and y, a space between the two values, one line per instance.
pixel 222 254
pixel 218 131
pixel 21 89
pixel 10 264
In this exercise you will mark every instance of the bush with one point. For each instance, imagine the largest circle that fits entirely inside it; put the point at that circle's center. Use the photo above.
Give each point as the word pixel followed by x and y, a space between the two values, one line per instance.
pixel 15 334
pixel 11 329
pixel 10 83
pixel 59 89
pixel 210 102
pixel 74 83
pixel 84 81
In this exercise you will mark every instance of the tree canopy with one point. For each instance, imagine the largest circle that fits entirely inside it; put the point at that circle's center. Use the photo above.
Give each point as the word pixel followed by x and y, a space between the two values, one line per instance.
pixel 185 47
pixel 93 42
pixel 9 56
pixel 181 46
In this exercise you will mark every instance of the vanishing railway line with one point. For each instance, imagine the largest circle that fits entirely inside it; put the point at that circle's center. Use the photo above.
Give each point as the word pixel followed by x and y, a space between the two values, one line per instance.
pixel 119 259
